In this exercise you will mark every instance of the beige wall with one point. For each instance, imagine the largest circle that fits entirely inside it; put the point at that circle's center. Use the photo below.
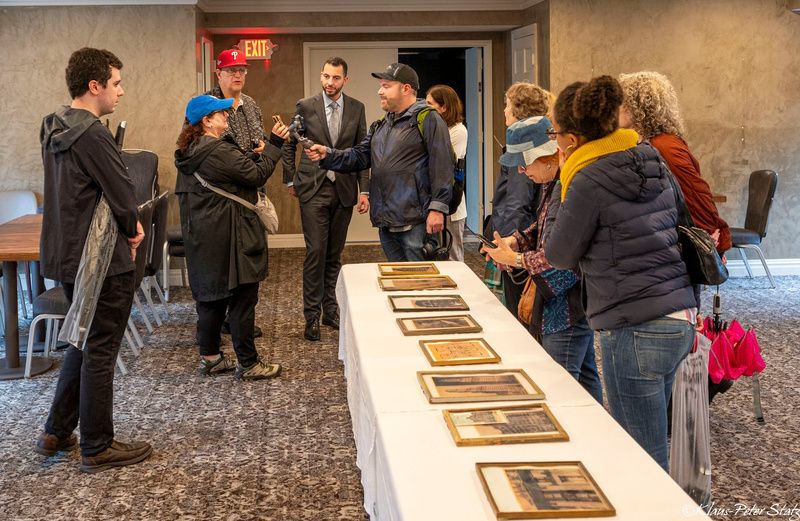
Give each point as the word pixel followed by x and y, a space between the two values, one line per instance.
pixel 157 47
pixel 736 67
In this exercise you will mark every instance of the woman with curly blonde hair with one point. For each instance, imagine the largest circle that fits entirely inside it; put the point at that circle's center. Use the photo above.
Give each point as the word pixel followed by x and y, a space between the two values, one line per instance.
pixel 650 107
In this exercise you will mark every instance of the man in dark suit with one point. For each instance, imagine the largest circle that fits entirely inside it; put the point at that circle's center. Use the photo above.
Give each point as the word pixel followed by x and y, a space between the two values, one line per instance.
pixel 326 198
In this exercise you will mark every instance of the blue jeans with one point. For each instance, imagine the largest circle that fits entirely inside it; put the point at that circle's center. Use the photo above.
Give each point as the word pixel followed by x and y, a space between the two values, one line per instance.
pixel 403 246
pixel 573 349
pixel 639 364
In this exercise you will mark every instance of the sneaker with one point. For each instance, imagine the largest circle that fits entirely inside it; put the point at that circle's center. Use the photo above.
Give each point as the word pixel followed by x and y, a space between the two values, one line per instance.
pixel 48 444
pixel 116 455
pixel 258 371
pixel 215 367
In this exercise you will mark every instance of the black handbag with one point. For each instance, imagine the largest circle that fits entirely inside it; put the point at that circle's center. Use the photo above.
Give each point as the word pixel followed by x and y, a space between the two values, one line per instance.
pixel 698 252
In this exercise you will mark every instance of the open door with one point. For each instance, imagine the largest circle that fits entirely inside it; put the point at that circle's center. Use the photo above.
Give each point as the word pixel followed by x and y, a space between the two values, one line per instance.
pixel 474 121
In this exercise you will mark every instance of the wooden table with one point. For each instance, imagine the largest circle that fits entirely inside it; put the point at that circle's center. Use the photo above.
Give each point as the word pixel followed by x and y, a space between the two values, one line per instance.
pixel 19 241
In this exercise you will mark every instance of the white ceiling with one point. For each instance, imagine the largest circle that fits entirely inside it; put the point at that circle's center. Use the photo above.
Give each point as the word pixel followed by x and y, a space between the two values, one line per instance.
pixel 310 6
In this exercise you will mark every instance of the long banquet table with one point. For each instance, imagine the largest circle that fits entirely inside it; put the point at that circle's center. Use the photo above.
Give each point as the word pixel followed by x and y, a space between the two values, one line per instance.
pixel 411 469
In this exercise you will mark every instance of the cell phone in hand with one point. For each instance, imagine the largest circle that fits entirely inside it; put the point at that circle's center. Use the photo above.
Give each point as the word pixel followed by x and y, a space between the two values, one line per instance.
pixel 486 242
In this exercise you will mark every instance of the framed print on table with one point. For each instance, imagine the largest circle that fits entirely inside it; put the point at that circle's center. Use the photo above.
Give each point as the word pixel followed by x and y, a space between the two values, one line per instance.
pixel 416 283
pixel 448 324
pixel 462 351
pixel 428 303
pixel 502 425
pixel 542 490
pixel 490 385
pixel 407 268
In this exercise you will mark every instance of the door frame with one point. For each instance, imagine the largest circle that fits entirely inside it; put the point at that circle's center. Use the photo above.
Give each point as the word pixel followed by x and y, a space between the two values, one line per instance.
pixel 486 125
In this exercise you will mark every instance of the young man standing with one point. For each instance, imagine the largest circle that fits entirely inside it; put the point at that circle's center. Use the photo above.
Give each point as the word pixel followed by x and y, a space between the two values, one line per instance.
pixel 326 199
pixel 412 167
pixel 81 164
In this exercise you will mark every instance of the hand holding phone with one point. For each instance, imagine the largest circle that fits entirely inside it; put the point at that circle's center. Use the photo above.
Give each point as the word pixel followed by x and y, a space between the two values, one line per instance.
pixel 486 242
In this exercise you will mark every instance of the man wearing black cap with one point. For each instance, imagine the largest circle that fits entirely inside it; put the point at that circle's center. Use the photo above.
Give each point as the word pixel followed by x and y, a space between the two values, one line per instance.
pixel 412 166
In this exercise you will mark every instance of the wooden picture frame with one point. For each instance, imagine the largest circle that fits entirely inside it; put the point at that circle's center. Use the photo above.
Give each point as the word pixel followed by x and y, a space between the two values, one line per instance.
pixel 407 268
pixel 414 283
pixel 488 385
pixel 530 423
pixel 458 351
pixel 438 325
pixel 538 490
pixel 401 303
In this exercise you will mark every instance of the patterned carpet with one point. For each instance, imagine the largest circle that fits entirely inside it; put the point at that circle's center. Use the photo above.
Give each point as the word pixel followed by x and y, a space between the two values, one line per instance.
pixel 283 449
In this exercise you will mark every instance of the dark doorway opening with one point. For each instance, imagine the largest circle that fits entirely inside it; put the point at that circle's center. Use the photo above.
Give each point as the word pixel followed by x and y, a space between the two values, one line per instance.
pixel 438 65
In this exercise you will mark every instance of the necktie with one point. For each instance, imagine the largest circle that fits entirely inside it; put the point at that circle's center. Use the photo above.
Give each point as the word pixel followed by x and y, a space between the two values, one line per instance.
pixel 334 121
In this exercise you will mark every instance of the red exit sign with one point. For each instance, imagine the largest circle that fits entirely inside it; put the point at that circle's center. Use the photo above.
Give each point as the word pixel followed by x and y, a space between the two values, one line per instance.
pixel 257 48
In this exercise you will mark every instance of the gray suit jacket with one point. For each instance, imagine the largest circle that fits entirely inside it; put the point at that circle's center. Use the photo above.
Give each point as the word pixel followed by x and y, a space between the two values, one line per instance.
pixel 308 177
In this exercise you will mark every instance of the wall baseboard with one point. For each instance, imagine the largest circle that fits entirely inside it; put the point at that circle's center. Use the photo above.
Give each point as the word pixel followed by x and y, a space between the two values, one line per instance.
pixel 735 267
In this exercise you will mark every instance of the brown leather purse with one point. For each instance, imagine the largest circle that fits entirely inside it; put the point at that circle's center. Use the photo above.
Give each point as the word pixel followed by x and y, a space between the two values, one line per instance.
pixel 525 306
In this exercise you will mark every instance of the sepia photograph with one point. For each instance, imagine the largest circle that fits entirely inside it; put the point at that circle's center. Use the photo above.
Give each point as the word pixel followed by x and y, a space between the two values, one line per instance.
pixel 543 490
pixel 407 268
pixel 463 351
pixel 449 324
pixel 428 303
pixel 501 425
pixel 491 385
pixel 396 283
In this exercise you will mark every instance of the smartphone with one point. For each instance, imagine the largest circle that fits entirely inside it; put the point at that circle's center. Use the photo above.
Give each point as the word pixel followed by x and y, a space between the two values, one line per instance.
pixel 486 242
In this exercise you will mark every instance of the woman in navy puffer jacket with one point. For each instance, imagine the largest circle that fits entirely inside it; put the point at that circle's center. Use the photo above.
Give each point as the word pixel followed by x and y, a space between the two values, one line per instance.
pixel 615 217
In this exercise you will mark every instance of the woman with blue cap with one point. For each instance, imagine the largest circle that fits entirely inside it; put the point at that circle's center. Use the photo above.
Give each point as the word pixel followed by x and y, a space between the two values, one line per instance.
pixel 226 250
pixel 557 317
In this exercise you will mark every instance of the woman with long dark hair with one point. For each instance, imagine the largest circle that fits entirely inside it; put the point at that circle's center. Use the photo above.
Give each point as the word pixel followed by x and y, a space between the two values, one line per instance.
pixel 614 215
pixel 226 250
pixel 446 102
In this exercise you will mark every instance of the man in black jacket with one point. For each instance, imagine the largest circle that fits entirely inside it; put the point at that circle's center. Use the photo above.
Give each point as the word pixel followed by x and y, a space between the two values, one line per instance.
pixel 326 199
pixel 81 164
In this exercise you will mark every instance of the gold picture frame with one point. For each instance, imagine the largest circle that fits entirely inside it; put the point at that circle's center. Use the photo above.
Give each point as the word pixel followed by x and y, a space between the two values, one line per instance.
pixel 438 325
pixel 413 283
pixel 547 489
pixel 488 385
pixel 458 351
pixel 407 268
pixel 401 303
pixel 529 423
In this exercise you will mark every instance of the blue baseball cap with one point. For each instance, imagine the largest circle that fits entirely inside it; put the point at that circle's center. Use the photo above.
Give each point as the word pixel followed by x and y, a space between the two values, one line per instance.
pixel 201 106
pixel 527 141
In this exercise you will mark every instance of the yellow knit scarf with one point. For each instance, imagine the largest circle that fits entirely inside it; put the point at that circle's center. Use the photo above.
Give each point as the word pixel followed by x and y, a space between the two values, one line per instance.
pixel 619 140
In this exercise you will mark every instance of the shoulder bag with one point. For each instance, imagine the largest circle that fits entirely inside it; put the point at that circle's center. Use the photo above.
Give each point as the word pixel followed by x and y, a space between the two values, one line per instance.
pixel 698 252
pixel 264 208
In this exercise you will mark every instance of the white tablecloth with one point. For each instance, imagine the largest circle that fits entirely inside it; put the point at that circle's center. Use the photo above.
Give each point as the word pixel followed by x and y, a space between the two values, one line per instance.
pixel 410 467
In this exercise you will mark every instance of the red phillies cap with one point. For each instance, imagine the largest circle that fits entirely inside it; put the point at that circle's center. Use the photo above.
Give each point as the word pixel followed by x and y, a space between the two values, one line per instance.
pixel 231 58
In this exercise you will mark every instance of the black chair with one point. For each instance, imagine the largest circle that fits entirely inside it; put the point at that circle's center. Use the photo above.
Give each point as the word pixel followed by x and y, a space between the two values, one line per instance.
pixel 761 191
pixel 173 247
pixel 146 218
pixel 155 256
pixel 143 168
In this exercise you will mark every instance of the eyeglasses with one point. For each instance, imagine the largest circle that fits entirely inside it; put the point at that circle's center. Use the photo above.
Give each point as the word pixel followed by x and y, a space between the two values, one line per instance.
pixel 551 133
pixel 242 71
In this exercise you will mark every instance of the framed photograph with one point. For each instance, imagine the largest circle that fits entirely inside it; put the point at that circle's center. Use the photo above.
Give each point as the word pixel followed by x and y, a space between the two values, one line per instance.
pixel 542 490
pixel 416 283
pixel 491 385
pixel 428 303
pixel 501 425
pixel 438 325
pixel 407 268
pixel 462 351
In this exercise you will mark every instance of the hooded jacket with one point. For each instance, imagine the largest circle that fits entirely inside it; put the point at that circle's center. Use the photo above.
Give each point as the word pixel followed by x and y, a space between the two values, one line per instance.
pixel 224 241
pixel 412 172
pixel 81 163
pixel 618 223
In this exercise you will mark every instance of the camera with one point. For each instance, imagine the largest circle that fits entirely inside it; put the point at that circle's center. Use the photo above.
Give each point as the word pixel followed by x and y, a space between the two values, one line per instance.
pixel 432 251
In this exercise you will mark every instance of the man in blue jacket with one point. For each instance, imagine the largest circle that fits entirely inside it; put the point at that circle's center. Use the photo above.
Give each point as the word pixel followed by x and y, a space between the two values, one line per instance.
pixel 412 167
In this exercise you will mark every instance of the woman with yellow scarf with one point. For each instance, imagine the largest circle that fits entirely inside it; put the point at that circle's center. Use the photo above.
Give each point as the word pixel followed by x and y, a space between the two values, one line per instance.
pixel 615 217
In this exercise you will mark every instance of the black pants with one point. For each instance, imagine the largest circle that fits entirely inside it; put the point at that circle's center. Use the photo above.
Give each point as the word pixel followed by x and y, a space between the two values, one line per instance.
pixel 85 388
pixel 325 222
pixel 513 291
pixel 242 315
